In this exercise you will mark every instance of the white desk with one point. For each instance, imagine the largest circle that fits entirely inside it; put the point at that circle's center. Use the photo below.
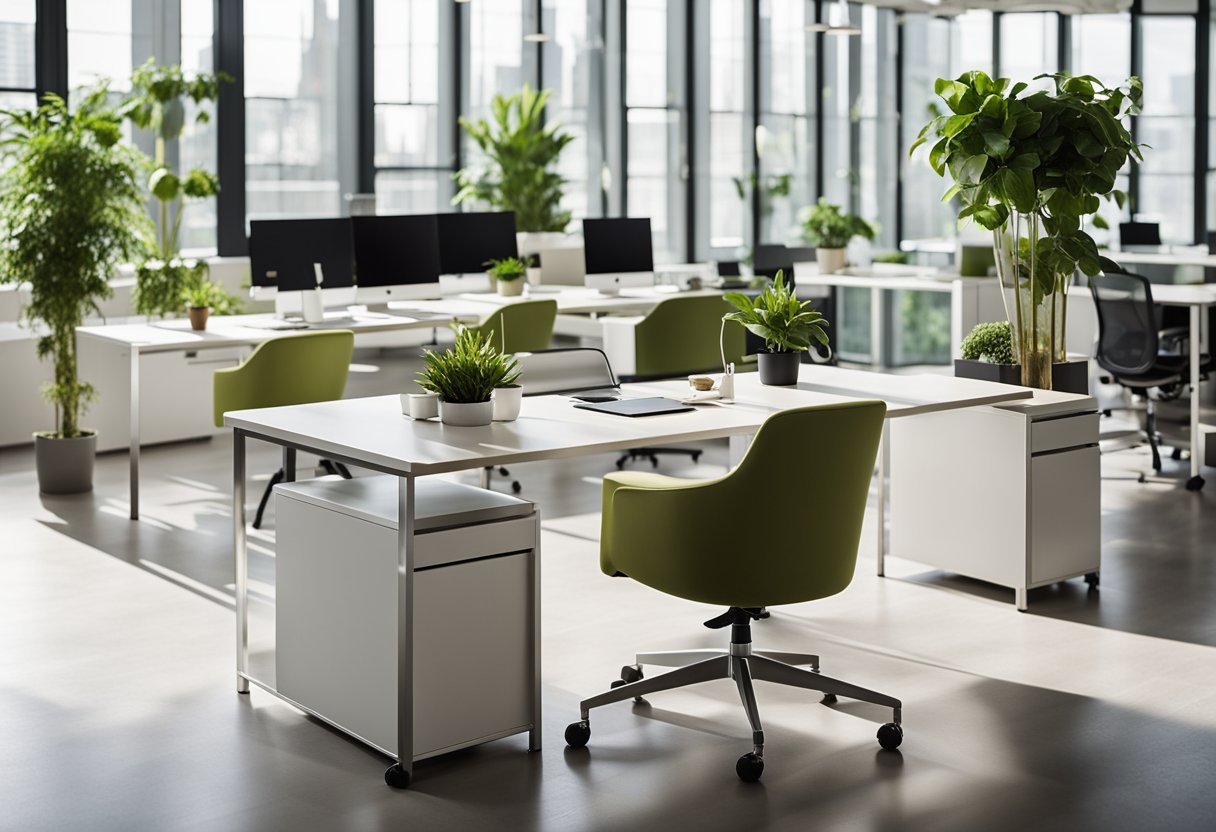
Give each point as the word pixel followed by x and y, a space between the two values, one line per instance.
pixel 973 300
pixel 372 433
pixel 127 342
pixel 1189 256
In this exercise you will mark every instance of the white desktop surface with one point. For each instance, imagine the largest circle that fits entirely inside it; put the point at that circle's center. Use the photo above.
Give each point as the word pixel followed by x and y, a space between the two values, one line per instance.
pixel 1180 256
pixel 576 299
pixel 905 278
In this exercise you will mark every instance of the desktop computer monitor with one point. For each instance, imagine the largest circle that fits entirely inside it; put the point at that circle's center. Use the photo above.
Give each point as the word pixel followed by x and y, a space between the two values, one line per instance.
pixel 468 241
pixel 285 254
pixel 618 253
pixel 396 258
pixel 1139 234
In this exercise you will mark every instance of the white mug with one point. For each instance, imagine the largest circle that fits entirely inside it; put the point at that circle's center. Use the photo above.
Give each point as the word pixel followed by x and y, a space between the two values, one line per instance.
pixel 420 405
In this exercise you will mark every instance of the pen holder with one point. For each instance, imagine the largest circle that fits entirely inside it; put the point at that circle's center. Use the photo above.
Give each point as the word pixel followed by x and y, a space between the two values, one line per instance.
pixel 726 386
pixel 312 307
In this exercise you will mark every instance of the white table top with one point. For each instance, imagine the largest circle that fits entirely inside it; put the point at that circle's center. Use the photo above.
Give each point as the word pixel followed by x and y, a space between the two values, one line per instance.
pixel 238 330
pixel 1190 256
pixel 573 299
pixel 373 431
pixel 1171 294
pixel 882 276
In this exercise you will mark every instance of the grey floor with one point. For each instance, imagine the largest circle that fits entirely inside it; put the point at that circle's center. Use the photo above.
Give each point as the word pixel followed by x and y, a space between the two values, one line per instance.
pixel 1092 711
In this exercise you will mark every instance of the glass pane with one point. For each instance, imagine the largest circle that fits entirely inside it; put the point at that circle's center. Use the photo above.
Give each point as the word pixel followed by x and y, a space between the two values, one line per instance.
pixel 653 190
pixel 17 36
pixel 496 56
pixel 569 59
pixel 197 147
pixel 406 136
pixel 728 139
pixel 1168 200
pixel 100 43
pixel 646 83
pixel 1102 46
pixel 412 192
pixel 1166 189
pixel 877 161
pixel 407 51
pixel 1168 65
pixel 971 43
pixel 927 45
pixel 1029 47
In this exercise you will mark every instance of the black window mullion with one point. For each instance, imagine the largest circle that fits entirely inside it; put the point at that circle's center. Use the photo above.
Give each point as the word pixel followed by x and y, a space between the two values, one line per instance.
pixel 229 45
pixel 366 141
pixel 51 47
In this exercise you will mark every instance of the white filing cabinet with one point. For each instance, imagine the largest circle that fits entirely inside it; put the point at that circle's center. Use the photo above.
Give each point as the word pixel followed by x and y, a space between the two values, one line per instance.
pixel 476 615
pixel 1009 494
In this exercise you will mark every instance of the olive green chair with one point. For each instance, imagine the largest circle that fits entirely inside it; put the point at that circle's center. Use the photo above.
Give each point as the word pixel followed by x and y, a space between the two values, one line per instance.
pixel 525 326
pixel 296 369
pixel 807 475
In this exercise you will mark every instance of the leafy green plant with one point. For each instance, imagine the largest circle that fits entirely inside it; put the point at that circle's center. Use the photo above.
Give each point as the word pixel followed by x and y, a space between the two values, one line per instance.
pixel 785 323
pixel 158 103
pixel 508 268
pixel 204 294
pixel 992 342
pixel 775 186
pixel 70 210
pixel 895 257
pixel 521 152
pixel 468 371
pixel 1053 154
pixel 826 226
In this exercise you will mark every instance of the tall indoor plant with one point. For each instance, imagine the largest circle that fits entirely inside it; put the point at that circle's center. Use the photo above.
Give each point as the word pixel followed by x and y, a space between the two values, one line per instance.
pixel 1031 170
pixel 158 103
pixel 71 209
pixel 787 325
pixel 521 153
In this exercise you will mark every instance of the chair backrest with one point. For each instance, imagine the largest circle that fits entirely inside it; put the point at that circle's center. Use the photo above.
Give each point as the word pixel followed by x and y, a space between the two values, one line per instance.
pixel 680 335
pixel 782 527
pixel 1127 323
pixel 1139 234
pixel 768 259
pixel 295 369
pixel 525 326
pixel 568 370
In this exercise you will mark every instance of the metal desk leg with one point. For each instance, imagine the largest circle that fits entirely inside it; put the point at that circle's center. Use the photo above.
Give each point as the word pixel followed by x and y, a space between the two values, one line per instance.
pixel 1195 483
pixel 289 464
pixel 884 462
pixel 241 559
pixel 134 452
pixel 534 736
pixel 399 774
pixel 876 301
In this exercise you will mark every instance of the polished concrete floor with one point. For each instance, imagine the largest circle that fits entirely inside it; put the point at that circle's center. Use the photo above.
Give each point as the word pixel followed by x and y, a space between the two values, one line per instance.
pixel 1096 710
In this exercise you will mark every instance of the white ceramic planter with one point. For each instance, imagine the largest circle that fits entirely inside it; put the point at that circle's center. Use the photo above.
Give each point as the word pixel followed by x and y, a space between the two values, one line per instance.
pixel 507 401
pixel 420 405
pixel 511 288
pixel 831 260
pixel 466 414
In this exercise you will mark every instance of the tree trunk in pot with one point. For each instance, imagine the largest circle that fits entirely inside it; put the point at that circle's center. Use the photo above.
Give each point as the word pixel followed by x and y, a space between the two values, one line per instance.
pixel 65 466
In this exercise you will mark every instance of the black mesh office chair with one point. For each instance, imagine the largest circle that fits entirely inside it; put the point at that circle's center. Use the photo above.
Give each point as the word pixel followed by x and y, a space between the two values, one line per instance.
pixel 1129 345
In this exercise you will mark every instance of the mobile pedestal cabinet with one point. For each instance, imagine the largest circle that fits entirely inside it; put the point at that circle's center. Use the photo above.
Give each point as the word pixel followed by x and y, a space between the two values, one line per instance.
pixel 1008 494
pixel 475 616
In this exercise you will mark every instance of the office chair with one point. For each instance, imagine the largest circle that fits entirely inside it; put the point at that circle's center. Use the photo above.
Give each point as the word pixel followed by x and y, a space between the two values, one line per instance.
pixel 687 538
pixel 1139 234
pixel 976 260
pixel 1129 346
pixel 519 327
pixel 297 369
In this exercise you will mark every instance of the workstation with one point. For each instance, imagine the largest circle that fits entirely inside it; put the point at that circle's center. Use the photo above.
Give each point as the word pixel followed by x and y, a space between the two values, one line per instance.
pixel 605 414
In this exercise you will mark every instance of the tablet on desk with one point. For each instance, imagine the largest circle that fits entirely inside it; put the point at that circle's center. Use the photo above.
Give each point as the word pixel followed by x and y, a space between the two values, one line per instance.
pixel 653 406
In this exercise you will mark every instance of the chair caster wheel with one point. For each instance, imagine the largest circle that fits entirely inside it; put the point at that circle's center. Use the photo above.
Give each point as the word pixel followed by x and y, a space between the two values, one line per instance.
pixel 750 767
pixel 578 733
pixel 517 487
pixel 828 699
pixel 1194 484
pixel 631 673
pixel 763 614
pixel 396 776
pixel 890 736
pixel 1176 454
pixel 1091 578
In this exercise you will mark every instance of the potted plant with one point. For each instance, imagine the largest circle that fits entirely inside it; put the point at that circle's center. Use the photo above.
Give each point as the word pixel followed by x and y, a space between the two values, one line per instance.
pixel 464 376
pixel 158 103
pixel 1031 170
pixel 201 299
pixel 71 210
pixel 786 324
pixel 829 229
pixel 508 274
pixel 520 174
pixel 988 355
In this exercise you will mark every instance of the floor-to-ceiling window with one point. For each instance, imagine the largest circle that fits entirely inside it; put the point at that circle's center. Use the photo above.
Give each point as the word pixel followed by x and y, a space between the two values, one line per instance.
pixel 197 146
pixel 1029 47
pixel 572 67
pixel 17 81
pixel 101 39
pixel 877 159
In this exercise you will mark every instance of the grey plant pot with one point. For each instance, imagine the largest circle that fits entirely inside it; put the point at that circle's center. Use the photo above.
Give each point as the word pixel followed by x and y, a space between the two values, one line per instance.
pixel 778 369
pixel 65 466
pixel 466 414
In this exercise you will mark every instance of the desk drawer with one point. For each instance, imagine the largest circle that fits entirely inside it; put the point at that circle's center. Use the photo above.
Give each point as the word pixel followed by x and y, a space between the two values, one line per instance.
pixel 1068 432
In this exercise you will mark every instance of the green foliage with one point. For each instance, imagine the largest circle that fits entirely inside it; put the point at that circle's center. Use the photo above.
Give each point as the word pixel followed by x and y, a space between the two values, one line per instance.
pixel 70 210
pixel 508 268
pixel 160 287
pixel 826 226
pixel 785 323
pixel 522 152
pixel 1054 154
pixel 896 257
pixel 924 328
pixel 208 294
pixel 992 342
pixel 469 370
pixel 774 187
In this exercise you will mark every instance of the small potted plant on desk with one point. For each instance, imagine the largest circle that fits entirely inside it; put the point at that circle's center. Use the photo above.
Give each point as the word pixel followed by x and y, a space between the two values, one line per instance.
pixel 201 300
pixel 465 376
pixel 786 324
pixel 829 229
pixel 988 355
pixel 508 274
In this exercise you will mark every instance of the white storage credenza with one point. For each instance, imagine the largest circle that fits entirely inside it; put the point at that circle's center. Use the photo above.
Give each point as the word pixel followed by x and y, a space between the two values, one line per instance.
pixel 1008 494
pixel 476 610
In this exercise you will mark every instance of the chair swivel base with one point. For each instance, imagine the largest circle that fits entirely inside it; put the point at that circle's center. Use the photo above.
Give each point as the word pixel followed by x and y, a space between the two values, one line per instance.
pixel 653 455
pixel 743 664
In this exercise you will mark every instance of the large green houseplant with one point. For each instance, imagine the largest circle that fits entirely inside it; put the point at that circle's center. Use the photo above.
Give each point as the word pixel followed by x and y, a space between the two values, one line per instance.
pixel 787 325
pixel 71 209
pixel 158 103
pixel 521 153
pixel 1032 168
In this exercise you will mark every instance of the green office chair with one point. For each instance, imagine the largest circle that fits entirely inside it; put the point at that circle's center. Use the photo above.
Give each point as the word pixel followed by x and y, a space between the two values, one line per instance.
pixel 297 369
pixel 525 326
pixel 679 336
pixel 687 538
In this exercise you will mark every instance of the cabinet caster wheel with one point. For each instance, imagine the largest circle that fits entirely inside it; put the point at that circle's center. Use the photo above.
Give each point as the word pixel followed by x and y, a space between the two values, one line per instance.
pixel 1194 484
pixel 828 699
pixel 750 767
pixel 516 487
pixel 396 776
pixel 578 733
pixel 1176 454
pixel 890 736
pixel 1091 578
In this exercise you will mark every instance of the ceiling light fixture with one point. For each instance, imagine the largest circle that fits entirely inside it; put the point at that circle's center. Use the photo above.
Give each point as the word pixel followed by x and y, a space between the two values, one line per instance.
pixel 838 22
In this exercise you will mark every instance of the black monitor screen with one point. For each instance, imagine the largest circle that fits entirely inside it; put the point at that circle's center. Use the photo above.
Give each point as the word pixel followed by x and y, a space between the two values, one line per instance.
pixel 396 251
pixel 618 245
pixel 468 241
pixel 282 253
